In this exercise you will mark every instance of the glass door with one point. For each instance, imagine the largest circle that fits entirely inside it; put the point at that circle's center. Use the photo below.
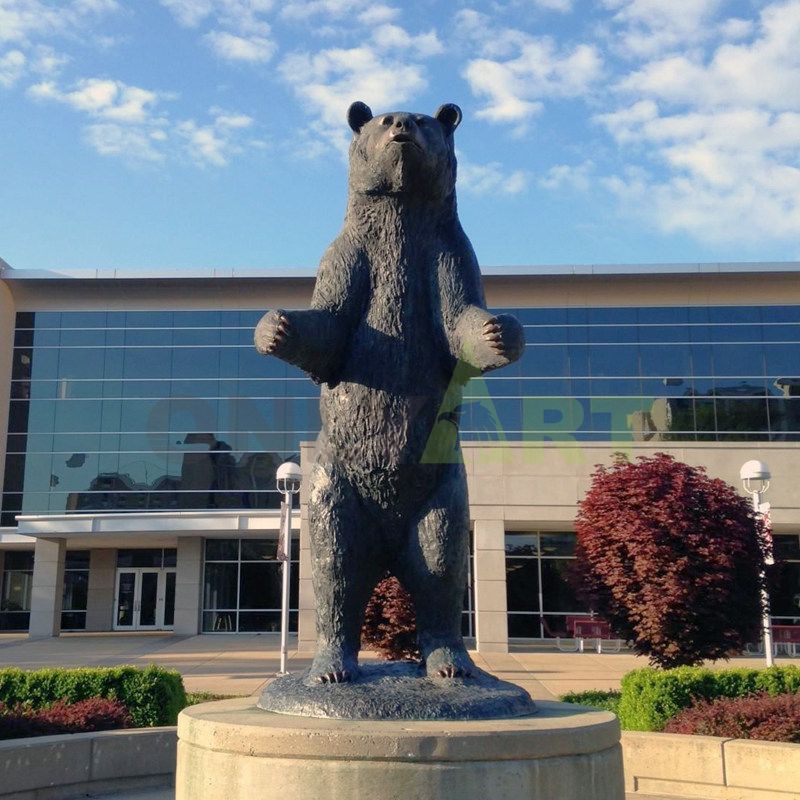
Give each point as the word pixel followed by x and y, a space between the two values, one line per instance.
pixel 145 599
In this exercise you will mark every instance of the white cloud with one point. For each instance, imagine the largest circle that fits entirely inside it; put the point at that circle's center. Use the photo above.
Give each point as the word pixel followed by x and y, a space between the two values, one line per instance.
pixel 737 73
pixel 328 81
pixel 645 28
pixel 215 143
pixel 12 65
pixel 112 139
pixel 239 33
pixel 563 6
pixel 102 98
pixel 513 89
pixel 305 9
pixel 253 49
pixel 393 36
pixel 377 14
pixel 491 178
pixel 722 136
pixel 23 20
pixel 572 176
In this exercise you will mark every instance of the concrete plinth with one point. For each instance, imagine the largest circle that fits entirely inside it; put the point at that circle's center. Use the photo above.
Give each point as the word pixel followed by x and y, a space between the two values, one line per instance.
pixel 232 750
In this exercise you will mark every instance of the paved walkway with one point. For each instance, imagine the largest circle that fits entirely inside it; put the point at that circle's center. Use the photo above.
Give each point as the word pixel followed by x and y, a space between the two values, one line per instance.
pixel 240 664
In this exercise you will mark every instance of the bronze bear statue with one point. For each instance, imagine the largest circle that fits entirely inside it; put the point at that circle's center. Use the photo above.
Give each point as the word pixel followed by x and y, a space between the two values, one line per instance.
pixel 397 323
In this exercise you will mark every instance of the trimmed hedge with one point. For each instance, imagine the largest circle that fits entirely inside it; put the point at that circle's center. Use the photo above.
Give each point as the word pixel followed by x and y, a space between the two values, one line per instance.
pixel 153 696
pixel 651 697
pixel 761 716
pixel 85 716
pixel 594 698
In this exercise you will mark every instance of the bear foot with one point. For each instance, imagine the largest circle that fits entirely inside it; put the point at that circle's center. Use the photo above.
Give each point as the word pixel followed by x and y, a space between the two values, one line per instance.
pixel 332 666
pixel 449 661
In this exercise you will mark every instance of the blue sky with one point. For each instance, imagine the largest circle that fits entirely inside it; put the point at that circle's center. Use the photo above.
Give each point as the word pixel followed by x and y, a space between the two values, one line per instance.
pixel 194 133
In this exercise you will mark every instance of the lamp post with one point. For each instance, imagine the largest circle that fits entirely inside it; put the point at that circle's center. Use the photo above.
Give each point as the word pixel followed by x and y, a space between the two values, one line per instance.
pixel 288 478
pixel 755 477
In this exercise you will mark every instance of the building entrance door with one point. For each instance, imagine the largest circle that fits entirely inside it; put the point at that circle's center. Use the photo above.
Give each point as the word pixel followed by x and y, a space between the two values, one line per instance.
pixel 144 599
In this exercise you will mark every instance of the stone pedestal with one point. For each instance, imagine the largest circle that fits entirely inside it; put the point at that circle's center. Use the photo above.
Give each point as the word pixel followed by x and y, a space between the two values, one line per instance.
pixel 232 750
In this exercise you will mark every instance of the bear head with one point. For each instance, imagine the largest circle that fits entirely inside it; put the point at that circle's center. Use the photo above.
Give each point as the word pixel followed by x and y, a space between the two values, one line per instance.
pixel 400 153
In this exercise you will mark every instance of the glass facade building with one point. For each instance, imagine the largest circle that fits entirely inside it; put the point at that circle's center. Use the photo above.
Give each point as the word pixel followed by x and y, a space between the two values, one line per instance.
pixel 144 433
pixel 159 410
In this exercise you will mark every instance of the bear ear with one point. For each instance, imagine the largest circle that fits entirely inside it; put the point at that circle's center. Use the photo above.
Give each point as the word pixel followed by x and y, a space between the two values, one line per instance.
pixel 449 115
pixel 358 115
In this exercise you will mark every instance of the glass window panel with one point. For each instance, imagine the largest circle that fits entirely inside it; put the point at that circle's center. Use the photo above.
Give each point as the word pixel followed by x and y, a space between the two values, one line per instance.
pixel 522 584
pixel 665 361
pixel 546 361
pixel 539 316
pixel 170 556
pixel 17 585
pixel 220 587
pixel 147 363
pixel 222 549
pixel 558 544
pixel 145 557
pixel 148 319
pixel 722 314
pixel 666 387
pixel 737 333
pixel 785 597
pixel 78 337
pixel 18 560
pixel 786 546
pixel 219 621
pixel 781 333
pixel 195 362
pixel 544 387
pixel 81 362
pixel 524 626
pixel 259 549
pixel 557 592
pixel 77 415
pixel 260 585
pixel 73 620
pixel 196 319
pixel 195 336
pixel 77 559
pixel 264 621
pixel 76 586
pixel 613 360
pixel 784 416
pixel 522 544
pixel 169 599
pixel 740 414
pixel 738 359
pixel 782 360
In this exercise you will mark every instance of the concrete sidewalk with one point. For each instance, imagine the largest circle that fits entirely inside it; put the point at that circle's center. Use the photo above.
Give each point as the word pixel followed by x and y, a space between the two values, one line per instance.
pixel 240 664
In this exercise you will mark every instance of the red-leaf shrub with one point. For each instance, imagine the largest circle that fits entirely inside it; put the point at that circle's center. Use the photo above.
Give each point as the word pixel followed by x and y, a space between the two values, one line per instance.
pixel 94 714
pixel 390 622
pixel 671 558
pixel 772 718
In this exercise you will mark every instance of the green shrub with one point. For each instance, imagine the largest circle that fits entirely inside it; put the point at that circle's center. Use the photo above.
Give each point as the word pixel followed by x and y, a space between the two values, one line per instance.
pixel 651 697
pixel 604 700
pixel 154 696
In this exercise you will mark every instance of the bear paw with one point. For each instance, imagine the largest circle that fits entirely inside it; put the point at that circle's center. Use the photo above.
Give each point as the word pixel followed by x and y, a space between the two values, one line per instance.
pixel 449 661
pixel 333 668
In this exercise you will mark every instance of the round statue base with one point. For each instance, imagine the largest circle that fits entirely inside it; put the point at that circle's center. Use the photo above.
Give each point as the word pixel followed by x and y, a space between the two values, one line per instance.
pixel 397 690
pixel 232 750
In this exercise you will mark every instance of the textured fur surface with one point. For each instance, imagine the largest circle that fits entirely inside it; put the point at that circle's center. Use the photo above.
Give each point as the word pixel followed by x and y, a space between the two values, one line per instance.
pixel 397 323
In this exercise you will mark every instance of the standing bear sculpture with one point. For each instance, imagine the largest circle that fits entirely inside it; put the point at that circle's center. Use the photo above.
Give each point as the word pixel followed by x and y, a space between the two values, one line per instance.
pixel 397 324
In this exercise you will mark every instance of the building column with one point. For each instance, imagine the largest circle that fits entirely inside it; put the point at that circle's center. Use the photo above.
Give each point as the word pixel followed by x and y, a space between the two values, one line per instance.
pixel 47 592
pixel 188 585
pixel 306 606
pixel 491 612
pixel 100 609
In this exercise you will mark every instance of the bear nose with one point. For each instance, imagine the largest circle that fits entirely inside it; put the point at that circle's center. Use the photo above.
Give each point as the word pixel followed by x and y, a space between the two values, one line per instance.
pixel 403 124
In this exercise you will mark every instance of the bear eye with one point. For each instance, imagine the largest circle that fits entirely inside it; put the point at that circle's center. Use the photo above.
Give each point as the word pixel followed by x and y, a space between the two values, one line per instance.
pixel 387 120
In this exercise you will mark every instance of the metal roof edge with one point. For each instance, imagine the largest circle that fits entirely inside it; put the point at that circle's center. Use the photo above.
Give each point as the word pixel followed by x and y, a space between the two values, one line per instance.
pixel 288 273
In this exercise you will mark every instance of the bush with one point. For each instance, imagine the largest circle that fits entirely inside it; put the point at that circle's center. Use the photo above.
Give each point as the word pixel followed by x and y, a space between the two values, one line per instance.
pixel 671 558
pixel 95 714
pixel 762 716
pixel 604 700
pixel 390 622
pixel 154 696
pixel 651 697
